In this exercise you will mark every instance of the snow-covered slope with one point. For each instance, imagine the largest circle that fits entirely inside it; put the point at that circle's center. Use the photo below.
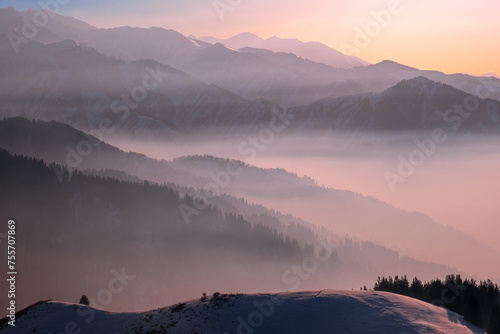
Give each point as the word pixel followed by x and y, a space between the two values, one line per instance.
pixel 314 51
pixel 326 311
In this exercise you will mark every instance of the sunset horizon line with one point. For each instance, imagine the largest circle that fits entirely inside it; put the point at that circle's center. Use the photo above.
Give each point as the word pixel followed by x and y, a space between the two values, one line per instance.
pixel 359 45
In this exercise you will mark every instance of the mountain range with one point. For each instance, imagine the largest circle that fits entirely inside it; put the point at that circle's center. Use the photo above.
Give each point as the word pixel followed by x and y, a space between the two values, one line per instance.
pixel 404 231
pixel 87 226
pixel 182 105
pixel 73 96
pixel 283 78
pixel 315 51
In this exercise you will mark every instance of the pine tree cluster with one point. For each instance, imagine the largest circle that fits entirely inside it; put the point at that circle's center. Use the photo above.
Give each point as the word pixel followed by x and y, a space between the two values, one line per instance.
pixel 479 303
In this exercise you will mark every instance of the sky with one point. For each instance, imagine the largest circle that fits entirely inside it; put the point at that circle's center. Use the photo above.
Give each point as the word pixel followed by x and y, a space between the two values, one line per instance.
pixel 449 36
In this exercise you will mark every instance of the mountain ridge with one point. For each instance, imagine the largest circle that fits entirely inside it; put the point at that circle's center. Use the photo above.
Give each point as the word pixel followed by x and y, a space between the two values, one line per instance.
pixel 299 82
pixel 291 192
pixel 417 104
pixel 342 311
pixel 314 51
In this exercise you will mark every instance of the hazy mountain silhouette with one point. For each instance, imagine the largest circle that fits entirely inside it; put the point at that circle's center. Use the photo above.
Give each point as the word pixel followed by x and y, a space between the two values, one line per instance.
pixel 77 85
pixel 345 212
pixel 83 228
pixel 182 105
pixel 417 104
pixel 69 87
pixel 364 217
pixel 315 51
pixel 248 75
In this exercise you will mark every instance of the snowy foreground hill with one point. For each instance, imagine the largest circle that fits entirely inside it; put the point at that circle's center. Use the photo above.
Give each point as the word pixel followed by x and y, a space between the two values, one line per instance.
pixel 325 311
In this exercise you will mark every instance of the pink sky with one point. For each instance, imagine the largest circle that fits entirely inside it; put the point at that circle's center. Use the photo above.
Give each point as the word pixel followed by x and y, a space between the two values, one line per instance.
pixel 449 36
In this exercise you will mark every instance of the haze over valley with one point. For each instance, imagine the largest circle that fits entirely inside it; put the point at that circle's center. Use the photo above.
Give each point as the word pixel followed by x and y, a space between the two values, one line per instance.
pixel 146 168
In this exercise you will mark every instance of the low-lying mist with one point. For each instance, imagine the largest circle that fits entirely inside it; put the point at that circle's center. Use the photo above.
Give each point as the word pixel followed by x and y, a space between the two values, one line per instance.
pixel 129 246
pixel 451 179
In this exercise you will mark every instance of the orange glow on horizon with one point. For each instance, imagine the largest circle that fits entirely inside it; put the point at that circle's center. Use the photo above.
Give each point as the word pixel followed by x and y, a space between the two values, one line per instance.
pixel 451 37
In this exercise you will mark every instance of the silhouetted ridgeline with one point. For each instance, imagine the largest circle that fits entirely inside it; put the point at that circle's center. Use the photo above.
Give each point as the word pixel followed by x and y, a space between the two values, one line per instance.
pixel 81 229
pixel 478 303
pixel 86 223
pixel 340 211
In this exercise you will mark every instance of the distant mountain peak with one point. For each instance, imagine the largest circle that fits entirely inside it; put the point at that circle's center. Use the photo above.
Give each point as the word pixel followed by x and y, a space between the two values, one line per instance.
pixel 391 64
pixel 420 80
pixel 314 51
pixel 387 62
pixel 417 84
pixel 246 35
pixel 29 11
pixel 491 74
